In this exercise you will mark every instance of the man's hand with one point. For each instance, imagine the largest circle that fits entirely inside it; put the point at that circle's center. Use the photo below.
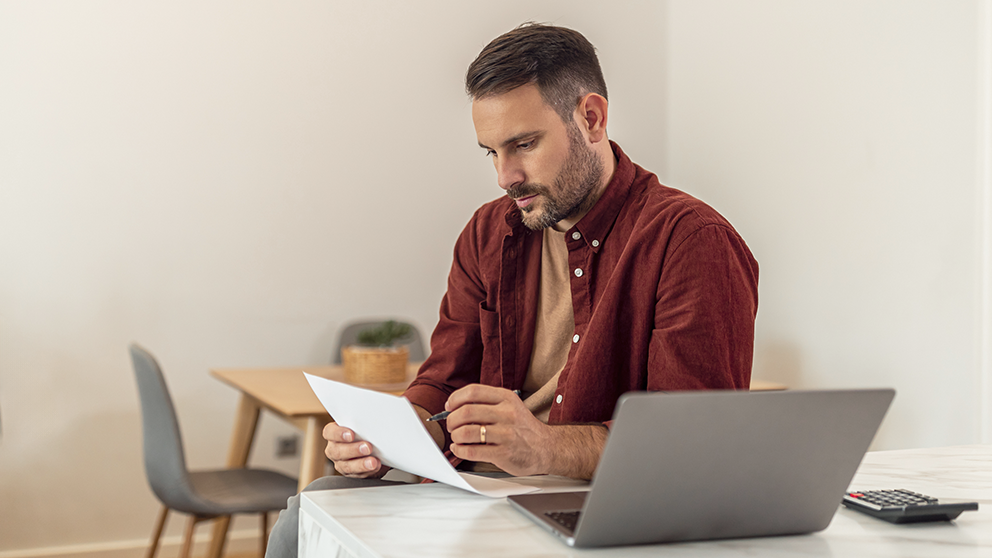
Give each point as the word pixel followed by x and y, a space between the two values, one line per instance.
pixel 351 457
pixel 515 441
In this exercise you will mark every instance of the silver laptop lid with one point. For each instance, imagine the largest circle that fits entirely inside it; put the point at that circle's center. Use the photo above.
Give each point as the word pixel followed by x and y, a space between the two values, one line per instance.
pixel 708 465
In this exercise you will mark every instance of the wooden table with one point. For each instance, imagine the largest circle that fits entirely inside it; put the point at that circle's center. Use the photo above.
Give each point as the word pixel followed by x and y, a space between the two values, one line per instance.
pixel 285 392
pixel 761 385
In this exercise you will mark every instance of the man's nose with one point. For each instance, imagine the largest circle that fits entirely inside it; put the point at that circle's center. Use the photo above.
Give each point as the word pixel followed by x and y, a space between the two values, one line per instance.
pixel 508 174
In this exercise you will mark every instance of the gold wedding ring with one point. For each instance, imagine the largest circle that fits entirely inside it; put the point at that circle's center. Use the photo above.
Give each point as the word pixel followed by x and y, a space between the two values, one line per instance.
pixel 482 435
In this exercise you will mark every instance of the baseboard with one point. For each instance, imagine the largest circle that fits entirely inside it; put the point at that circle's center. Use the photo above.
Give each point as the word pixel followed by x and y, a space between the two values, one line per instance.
pixel 239 543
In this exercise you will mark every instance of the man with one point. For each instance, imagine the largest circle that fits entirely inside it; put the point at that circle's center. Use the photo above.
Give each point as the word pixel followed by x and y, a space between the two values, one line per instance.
pixel 587 280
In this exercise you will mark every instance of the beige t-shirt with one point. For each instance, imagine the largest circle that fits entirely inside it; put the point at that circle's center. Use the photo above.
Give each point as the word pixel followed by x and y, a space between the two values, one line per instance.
pixel 554 328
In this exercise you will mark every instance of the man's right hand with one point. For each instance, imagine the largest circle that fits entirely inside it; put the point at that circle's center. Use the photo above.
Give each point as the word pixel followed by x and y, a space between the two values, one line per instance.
pixel 351 457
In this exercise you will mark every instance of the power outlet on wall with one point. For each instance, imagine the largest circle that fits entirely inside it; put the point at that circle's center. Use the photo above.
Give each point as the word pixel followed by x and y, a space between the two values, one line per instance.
pixel 287 446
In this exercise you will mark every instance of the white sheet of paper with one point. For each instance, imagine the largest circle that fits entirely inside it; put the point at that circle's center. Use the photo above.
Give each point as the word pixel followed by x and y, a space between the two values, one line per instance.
pixel 398 436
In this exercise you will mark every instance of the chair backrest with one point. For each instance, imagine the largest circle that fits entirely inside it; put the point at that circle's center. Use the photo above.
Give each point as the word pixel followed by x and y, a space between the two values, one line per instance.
pixel 349 335
pixel 165 461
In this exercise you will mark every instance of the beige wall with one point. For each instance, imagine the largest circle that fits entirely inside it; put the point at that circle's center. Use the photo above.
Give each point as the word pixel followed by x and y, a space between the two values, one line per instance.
pixel 229 182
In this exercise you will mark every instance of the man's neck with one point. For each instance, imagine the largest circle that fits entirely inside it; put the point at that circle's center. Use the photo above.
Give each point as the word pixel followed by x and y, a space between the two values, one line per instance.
pixel 609 168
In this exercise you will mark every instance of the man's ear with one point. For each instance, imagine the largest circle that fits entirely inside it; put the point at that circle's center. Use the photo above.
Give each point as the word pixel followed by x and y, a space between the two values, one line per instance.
pixel 592 114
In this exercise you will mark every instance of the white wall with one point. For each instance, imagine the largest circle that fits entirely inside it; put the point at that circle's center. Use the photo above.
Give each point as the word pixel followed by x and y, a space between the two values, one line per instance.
pixel 229 182
pixel 843 140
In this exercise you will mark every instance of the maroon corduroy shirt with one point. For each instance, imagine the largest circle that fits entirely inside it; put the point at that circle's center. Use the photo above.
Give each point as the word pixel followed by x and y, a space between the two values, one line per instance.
pixel 664 293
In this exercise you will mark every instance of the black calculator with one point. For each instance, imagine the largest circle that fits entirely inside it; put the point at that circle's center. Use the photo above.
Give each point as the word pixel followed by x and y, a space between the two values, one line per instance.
pixel 905 506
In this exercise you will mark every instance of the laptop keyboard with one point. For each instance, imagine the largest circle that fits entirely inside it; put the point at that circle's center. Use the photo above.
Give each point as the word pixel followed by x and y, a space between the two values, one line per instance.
pixel 567 519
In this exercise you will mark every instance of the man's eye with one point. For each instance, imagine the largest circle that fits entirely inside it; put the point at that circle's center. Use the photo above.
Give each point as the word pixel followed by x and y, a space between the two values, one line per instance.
pixel 525 145
pixel 490 153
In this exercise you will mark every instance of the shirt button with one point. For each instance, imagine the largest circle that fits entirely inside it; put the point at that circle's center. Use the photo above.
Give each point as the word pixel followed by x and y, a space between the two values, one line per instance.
pixel 595 243
pixel 578 272
pixel 576 235
pixel 575 338
pixel 558 399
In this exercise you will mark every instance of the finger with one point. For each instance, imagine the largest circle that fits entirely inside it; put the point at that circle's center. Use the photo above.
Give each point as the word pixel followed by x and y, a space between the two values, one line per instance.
pixel 472 434
pixel 474 413
pixel 341 451
pixel 333 432
pixel 476 452
pixel 476 393
pixel 363 467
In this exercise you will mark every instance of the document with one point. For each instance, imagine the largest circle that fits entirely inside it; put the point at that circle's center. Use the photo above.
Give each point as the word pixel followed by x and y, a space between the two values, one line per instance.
pixel 398 436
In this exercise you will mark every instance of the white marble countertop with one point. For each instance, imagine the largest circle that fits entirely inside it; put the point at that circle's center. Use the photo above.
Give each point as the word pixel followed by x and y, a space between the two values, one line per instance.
pixel 440 521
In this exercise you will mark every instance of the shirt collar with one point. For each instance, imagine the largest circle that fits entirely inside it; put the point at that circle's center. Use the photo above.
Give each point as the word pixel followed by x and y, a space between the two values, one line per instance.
pixel 596 225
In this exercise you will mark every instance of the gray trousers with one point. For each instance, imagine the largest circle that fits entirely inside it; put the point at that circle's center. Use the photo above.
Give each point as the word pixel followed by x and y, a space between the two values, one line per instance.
pixel 283 539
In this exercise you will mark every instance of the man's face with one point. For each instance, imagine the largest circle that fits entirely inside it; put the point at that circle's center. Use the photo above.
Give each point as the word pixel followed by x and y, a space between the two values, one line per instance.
pixel 542 163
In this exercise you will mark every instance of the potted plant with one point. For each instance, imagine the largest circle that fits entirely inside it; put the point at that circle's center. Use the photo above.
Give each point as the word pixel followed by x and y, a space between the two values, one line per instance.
pixel 377 357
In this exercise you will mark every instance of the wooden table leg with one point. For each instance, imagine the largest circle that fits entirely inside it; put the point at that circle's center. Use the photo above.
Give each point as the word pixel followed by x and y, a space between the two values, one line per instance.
pixel 313 460
pixel 242 437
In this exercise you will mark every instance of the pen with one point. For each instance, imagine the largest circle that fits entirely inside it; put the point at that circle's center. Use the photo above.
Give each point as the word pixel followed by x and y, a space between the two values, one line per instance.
pixel 444 414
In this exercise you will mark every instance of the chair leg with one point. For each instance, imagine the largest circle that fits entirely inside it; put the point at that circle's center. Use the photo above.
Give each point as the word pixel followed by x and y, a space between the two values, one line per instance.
pixel 188 537
pixel 157 534
pixel 265 532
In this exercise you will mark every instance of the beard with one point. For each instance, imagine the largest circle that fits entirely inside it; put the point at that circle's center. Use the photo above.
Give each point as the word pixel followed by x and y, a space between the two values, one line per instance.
pixel 578 178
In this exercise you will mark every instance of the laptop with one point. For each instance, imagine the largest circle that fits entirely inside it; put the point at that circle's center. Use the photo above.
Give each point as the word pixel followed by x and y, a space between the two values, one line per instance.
pixel 716 465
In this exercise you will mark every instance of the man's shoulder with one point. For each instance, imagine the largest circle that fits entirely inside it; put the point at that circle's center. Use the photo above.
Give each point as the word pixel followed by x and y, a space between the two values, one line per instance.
pixel 661 205
pixel 662 218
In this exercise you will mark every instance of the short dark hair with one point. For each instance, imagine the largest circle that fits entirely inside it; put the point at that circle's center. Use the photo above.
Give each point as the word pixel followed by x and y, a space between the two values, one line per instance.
pixel 560 61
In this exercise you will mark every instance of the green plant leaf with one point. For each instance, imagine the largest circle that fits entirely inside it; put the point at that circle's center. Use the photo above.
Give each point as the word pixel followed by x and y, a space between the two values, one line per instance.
pixel 385 334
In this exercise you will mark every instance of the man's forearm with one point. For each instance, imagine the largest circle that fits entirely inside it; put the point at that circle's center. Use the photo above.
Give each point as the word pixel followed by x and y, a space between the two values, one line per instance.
pixel 575 449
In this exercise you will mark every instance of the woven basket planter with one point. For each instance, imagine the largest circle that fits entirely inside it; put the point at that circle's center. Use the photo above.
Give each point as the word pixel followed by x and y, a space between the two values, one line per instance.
pixel 374 365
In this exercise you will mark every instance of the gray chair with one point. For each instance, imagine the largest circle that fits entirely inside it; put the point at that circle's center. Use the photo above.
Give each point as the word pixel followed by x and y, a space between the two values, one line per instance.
pixel 201 494
pixel 349 335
